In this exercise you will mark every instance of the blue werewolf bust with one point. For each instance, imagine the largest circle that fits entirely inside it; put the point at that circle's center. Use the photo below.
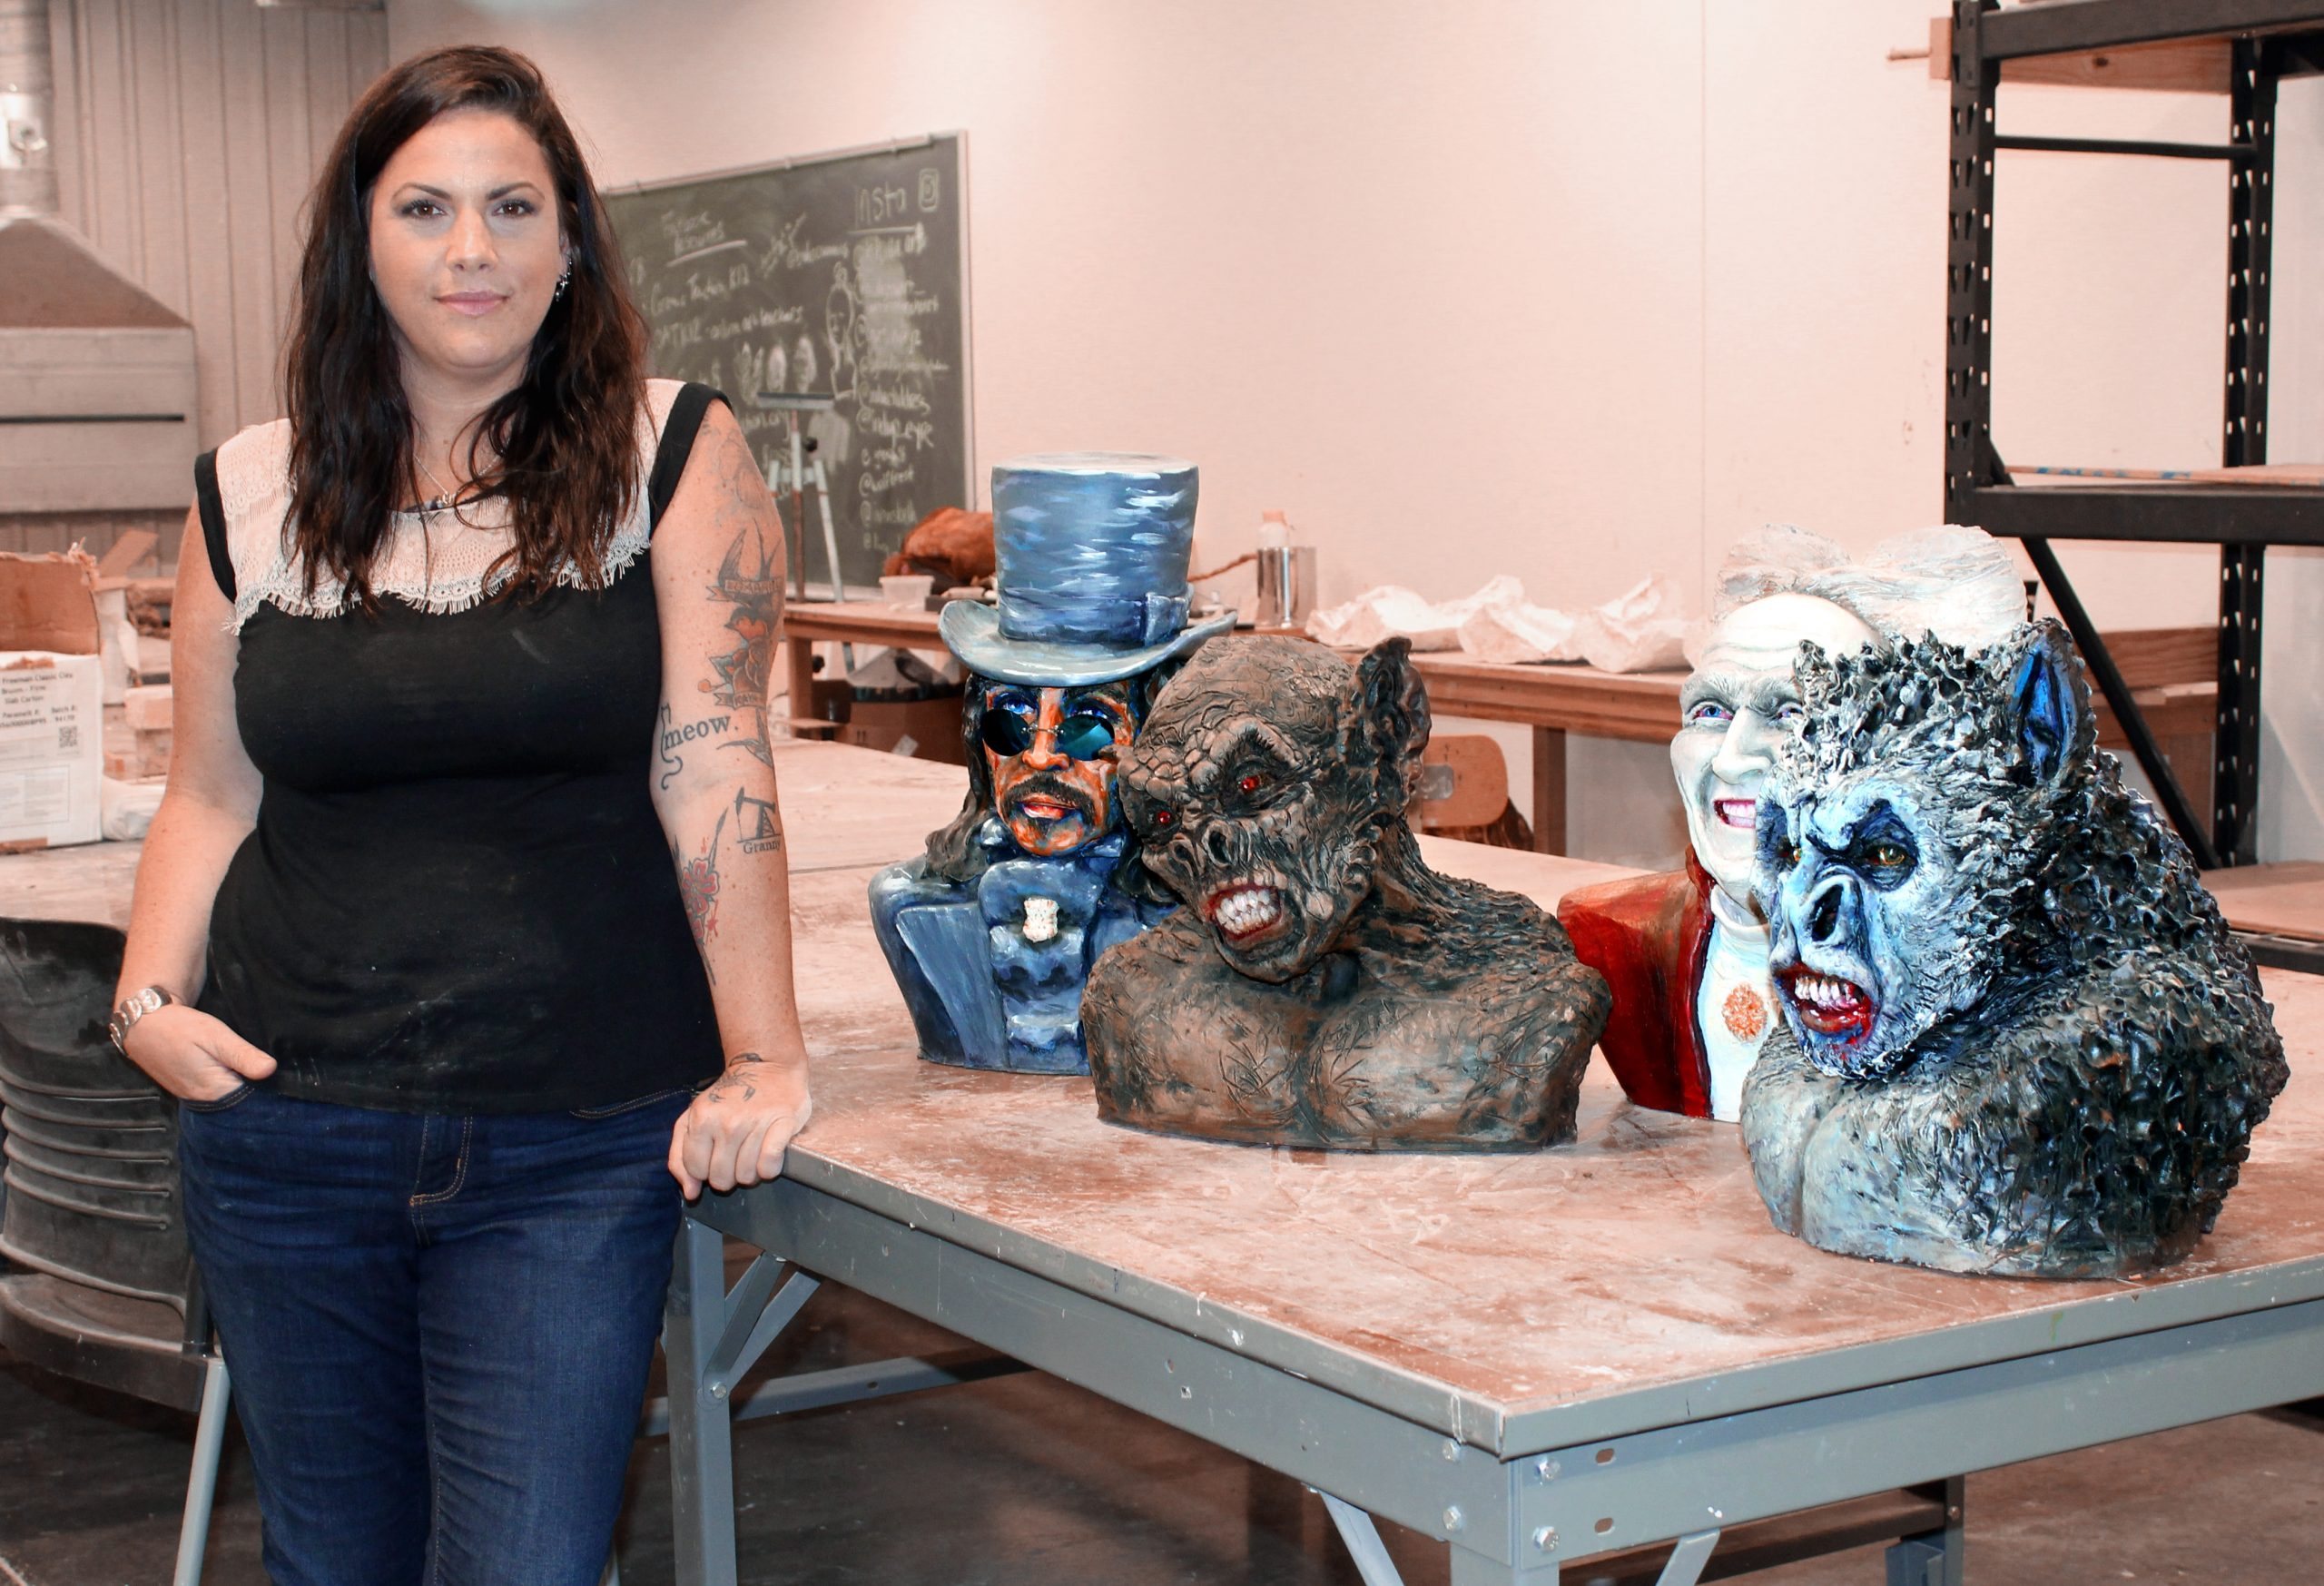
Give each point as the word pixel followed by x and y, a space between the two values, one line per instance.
pixel 2019 1039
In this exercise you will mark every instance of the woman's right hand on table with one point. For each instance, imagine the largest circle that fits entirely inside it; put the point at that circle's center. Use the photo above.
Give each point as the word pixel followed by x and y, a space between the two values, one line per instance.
pixel 193 1056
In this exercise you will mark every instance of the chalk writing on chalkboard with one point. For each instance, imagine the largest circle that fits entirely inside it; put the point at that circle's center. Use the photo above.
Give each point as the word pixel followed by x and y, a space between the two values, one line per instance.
pixel 842 274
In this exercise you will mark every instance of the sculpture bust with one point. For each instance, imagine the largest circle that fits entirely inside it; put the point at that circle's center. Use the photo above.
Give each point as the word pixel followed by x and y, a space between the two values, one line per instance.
pixel 1686 951
pixel 991 931
pixel 1323 986
pixel 2018 1037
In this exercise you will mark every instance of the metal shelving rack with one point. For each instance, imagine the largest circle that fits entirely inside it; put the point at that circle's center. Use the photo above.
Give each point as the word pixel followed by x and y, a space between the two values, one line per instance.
pixel 2269 40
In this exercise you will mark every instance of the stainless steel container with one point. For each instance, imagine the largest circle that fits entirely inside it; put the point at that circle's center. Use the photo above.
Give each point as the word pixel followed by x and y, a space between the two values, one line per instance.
pixel 1286 585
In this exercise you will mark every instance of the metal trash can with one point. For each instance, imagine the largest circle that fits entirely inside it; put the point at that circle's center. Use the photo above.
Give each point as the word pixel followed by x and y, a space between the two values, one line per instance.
pixel 89 1157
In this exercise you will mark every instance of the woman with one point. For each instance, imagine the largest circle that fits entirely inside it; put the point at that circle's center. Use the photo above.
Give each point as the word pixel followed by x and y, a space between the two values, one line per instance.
pixel 436 940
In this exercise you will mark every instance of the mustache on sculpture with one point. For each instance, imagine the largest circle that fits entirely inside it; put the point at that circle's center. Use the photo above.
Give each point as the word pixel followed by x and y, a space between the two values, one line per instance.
pixel 1057 790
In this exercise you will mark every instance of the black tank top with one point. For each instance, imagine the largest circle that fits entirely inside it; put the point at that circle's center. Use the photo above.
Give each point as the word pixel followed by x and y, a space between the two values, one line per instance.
pixel 458 897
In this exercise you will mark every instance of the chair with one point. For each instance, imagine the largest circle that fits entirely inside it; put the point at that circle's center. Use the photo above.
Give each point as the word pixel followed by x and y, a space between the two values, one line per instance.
pixel 108 1294
pixel 1464 792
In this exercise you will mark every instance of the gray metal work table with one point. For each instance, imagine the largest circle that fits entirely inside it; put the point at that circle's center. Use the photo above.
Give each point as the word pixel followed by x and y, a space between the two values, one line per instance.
pixel 1533 1358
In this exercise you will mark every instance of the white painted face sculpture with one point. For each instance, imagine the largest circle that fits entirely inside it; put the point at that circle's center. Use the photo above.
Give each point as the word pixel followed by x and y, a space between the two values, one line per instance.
pixel 1740 695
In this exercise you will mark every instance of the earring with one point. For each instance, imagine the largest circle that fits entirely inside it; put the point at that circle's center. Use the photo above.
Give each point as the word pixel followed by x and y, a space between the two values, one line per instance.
pixel 561 282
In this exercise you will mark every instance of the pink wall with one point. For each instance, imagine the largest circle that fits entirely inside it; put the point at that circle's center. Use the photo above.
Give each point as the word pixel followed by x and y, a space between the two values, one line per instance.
pixel 1576 293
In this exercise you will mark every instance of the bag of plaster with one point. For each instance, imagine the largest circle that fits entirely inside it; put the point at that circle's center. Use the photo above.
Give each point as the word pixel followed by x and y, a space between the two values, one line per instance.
pixel 1392 611
pixel 1522 634
pixel 1634 631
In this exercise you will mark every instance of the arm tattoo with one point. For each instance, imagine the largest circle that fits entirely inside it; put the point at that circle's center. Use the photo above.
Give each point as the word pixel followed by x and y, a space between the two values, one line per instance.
pixel 698 886
pixel 733 1085
pixel 756 824
pixel 750 584
pixel 663 742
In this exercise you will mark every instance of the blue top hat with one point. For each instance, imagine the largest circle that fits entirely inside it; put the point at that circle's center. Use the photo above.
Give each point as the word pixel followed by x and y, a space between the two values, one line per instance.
pixel 1092 550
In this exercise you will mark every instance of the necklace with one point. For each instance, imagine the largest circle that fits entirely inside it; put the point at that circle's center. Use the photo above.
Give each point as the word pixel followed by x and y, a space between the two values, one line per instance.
pixel 439 502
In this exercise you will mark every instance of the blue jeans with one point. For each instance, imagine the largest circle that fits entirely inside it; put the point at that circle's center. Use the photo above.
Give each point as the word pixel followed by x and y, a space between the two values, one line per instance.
pixel 440 1327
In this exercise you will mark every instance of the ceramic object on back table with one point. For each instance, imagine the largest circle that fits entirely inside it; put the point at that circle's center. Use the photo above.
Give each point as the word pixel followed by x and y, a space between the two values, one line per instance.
pixel 991 931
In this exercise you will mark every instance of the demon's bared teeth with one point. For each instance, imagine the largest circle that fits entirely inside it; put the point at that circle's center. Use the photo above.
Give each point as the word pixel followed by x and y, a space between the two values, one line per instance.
pixel 1242 911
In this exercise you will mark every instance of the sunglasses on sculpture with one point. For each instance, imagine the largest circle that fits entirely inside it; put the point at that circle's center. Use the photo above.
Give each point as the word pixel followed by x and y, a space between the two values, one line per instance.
pixel 1086 733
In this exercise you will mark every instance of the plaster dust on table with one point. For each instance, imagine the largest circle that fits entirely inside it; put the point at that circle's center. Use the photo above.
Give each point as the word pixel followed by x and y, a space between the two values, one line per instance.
pixel 1683 1276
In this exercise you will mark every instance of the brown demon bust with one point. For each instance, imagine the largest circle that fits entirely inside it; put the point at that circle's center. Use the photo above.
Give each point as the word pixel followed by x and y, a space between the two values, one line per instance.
pixel 1323 986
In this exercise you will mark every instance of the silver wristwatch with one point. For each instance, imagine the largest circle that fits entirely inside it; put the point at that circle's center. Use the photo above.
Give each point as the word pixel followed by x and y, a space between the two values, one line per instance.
pixel 135 1006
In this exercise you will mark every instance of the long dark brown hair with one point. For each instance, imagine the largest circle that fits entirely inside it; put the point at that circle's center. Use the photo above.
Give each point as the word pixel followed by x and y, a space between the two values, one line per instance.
pixel 564 441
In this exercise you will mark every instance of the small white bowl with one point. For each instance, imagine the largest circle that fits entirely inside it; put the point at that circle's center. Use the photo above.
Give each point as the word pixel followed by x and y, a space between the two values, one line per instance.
pixel 906 591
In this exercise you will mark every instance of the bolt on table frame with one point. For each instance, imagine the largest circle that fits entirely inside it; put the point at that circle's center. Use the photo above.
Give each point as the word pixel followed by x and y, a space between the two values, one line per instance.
pixel 1514 1502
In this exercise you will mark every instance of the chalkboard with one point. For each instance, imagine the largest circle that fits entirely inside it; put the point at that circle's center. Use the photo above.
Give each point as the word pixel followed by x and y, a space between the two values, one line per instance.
pixel 846 275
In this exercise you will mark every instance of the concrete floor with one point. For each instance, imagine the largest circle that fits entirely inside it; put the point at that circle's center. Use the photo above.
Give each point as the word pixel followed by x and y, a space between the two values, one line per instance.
pixel 1026 1482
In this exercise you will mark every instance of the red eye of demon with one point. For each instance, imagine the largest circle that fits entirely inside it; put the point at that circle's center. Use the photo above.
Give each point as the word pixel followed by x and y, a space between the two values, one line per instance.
pixel 1249 785
pixel 1162 817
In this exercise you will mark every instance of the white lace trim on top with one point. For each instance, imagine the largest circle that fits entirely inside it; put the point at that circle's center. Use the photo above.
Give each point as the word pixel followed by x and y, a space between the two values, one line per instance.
pixel 439 562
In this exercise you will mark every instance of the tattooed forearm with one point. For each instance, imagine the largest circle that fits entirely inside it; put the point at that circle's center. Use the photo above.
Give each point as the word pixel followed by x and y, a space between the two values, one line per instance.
pixel 749 584
pixel 698 887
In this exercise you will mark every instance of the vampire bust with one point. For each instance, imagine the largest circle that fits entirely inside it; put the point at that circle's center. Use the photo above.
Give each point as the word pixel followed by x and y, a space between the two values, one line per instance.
pixel 1686 951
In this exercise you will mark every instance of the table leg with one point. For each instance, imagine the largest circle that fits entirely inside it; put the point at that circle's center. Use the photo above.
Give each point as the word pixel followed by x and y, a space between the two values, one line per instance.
pixel 1687 1559
pixel 1274 1512
pixel 702 1430
pixel 1935 1558
pixel 798 666
pixel 202 1483
pixel 1476 1570
pixel 1549 789
pixel 1364 1544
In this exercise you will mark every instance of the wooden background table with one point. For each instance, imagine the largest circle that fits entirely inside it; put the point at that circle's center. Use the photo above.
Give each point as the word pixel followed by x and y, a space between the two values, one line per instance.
pixel 2170 670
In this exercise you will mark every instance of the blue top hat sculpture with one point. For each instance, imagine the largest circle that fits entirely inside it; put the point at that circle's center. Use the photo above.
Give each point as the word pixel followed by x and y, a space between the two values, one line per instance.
pixel 1091 550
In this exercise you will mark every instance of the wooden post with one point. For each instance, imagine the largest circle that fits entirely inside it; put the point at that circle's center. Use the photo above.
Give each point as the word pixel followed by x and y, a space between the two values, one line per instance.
pixel 1549 789
pixel 800 665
